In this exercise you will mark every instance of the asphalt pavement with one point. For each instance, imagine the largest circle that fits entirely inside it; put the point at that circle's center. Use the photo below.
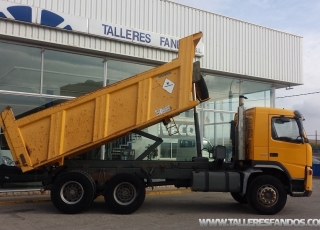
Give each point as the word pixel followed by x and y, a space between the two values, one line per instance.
pixel 162 209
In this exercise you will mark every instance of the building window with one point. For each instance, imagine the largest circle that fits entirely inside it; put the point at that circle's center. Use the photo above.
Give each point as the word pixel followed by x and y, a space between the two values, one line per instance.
pixel 168 150
pixel 23 105
pixel 216 114
pixel 20 68
pixel 257 93
pixel 69 74
pixel 119 70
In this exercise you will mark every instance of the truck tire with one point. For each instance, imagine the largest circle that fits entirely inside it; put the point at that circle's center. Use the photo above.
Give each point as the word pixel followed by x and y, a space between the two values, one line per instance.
pixel 124 193
pixel 240 199
pixel 73 192
pixel 266 195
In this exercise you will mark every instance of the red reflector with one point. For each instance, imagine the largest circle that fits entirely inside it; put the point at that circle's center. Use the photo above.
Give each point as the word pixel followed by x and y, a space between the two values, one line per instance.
pixel 310 172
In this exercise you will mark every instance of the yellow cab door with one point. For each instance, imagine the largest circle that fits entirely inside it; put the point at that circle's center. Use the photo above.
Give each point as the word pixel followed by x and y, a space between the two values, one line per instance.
pixel 285 145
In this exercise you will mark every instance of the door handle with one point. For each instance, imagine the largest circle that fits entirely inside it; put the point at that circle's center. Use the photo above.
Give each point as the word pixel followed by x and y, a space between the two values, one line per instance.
pixel 273 154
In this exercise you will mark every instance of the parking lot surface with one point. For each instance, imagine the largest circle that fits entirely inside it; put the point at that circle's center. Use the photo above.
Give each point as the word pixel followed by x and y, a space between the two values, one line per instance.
pixel 159 211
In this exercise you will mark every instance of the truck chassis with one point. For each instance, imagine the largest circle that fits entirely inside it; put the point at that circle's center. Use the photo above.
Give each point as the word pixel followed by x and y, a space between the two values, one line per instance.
pixel 75 185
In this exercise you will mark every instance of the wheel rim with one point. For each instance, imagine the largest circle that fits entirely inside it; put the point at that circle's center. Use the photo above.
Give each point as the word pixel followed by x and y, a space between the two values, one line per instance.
pixel 125 193
pixel 267 195
pixel 71 192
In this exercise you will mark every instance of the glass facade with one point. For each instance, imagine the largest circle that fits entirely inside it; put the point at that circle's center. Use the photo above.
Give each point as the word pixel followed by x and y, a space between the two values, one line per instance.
pixel 34 78
pixel 20 68
pixel 119 70
pixel 69 74
pixel 216 114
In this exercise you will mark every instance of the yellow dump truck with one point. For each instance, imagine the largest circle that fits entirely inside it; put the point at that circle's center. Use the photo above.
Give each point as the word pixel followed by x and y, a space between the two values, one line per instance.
pixel 271 156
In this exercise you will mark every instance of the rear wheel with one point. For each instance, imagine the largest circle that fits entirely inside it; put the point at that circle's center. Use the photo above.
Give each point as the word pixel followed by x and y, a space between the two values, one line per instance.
pixel 124 193
pixel 266 195
pixel 240 199
pixel 73 192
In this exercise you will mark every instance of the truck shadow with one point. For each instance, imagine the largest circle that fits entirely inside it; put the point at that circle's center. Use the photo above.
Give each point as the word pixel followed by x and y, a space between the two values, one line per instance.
pixel 173 204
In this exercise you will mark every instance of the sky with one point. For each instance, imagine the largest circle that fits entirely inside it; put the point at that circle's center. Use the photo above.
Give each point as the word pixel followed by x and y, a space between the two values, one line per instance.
pixel 298 17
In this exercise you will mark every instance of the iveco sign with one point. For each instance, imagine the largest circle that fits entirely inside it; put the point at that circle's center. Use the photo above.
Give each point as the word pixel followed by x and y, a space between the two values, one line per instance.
pixel 104 29
pixel 185 129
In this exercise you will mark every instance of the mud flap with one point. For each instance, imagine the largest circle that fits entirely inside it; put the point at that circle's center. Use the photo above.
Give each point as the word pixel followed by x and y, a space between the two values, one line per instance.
pixel 201 86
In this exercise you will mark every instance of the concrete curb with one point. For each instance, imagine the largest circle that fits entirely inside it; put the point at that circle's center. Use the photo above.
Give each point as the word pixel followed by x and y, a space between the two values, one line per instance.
pixel 24 201
pixel 168 192
pixel 30 197
pixel 17 193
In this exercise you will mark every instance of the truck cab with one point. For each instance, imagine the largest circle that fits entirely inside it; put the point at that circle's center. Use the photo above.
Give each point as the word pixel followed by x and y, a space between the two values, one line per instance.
pixel 277 142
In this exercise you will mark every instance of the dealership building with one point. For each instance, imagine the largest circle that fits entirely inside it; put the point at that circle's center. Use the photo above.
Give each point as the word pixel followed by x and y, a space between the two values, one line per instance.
pixel 53 51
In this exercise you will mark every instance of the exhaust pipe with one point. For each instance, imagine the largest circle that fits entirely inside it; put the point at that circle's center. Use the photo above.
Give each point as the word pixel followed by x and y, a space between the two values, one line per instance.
pixel 241 130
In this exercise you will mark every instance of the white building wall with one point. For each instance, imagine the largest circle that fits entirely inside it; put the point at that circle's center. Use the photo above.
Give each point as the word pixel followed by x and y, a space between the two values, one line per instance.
pixel 230 46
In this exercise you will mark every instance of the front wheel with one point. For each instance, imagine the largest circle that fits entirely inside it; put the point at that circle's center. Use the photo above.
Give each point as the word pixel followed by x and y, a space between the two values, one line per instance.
pixel 266 195
pixel 124 193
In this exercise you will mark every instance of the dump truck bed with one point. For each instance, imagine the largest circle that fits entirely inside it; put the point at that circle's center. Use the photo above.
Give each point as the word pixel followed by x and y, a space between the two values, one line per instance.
pixel 87 122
